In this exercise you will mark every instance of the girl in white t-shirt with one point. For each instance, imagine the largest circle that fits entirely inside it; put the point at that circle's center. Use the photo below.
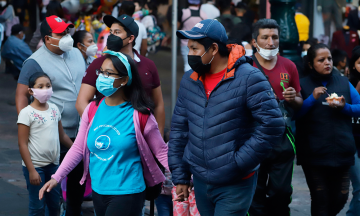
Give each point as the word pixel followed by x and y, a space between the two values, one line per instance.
pixel 39 133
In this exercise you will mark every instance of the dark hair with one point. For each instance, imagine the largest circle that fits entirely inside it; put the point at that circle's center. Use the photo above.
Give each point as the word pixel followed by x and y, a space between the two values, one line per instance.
pixel 135 92
pixel 338 56
pixel 127 7
pixel 140 2
pixel 354 74
pixel 54 8
pixel 35 76
pixel 241 32
pixel 311 54
pixel 312 41
pixel 153 6
pixel 241 5
pixel 264 24
pixel 223 5
pixel 207 42
pixel 79 37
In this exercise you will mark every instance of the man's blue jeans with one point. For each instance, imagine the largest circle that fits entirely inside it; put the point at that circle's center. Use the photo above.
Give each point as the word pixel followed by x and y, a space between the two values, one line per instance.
pixel 51 199
pixel 230 199
pixel 164 205
pixel 354 209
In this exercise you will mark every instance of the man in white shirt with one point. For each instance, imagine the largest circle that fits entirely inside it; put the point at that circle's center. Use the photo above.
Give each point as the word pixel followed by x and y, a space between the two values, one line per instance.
pixel 128 8
pixel 211 11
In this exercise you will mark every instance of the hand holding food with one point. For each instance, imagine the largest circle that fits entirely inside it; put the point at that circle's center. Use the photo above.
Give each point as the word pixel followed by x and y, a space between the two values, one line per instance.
pixel 318 92
pixel 335 101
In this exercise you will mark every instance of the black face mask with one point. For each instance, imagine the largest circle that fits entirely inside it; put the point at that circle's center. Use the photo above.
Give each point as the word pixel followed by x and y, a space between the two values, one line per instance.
pixel 115 43
pixel 196 64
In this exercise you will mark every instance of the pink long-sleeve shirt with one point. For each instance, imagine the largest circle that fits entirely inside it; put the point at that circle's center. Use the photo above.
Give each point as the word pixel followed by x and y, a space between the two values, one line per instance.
pixel 149 143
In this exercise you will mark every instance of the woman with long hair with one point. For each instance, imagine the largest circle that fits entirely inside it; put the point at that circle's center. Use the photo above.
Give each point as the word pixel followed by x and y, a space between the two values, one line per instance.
pixel 117 150
pixel 324 140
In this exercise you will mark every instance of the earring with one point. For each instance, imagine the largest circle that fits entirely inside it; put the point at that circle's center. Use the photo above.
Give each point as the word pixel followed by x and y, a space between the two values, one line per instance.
pixel 122 84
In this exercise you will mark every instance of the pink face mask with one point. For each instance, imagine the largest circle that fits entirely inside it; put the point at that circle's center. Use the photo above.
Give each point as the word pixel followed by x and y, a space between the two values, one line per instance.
pixel 42 95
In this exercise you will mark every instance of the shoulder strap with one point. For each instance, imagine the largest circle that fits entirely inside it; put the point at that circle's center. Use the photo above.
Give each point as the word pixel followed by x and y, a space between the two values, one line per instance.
pixel 93 108
pixel 143 120
pixel 260 68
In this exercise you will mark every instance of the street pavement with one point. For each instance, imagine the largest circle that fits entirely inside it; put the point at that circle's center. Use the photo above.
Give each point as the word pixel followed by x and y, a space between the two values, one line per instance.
pixel 13 193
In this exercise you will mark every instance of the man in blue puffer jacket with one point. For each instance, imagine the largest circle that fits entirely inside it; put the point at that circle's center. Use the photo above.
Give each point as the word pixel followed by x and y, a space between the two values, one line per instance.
pixel 225 122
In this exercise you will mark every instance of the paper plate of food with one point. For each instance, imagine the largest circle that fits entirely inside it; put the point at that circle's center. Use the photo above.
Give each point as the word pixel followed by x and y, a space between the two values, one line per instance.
pixel 333 98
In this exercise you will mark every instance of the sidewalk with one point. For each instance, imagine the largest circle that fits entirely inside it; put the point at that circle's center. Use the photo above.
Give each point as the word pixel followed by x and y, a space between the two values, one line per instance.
pixel 13 193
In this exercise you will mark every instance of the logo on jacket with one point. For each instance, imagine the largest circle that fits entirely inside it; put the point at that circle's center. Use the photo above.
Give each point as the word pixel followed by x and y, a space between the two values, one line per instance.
pixel 102 142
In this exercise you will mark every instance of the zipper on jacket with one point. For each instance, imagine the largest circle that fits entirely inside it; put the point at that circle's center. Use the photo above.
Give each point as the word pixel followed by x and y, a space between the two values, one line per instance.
pixel 71 77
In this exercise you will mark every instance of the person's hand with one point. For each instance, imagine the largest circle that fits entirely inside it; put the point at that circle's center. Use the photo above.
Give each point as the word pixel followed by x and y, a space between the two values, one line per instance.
pixel 34 177
pixel 347 72
pixel 339 105
pixel 182 192
pixel 47 187
pixel 165 41
pixel 318 92
pixel 289 94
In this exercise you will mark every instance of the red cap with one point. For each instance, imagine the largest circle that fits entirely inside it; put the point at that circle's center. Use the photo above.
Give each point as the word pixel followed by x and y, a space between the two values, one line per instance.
pixel 57 25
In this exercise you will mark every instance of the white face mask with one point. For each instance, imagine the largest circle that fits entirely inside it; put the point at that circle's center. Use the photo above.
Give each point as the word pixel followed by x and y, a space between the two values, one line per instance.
pixel 65 44
pixel 267 54
pixel 249 52
pixel 90 50
pixel 2 3
pixel 303 53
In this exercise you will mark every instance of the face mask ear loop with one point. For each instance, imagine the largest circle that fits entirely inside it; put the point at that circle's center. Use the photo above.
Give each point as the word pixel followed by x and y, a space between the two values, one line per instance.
pixel 211 60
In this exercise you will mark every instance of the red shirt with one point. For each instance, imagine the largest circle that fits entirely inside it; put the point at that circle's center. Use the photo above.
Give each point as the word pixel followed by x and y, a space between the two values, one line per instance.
pixel 147 70
pixel 211 80
pixel 284 71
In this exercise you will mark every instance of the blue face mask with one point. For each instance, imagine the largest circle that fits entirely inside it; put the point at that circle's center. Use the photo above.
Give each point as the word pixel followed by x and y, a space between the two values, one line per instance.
pixel 106 85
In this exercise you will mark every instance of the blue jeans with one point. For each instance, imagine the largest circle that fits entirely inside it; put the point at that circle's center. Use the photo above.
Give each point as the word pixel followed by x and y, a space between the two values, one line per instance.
pixel 354 208
pixel 230 199
pixel 52 199
pixel 164 205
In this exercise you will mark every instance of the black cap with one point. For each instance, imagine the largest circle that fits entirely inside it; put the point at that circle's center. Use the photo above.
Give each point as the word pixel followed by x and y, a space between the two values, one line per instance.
pixel 16 29
pixel 125 20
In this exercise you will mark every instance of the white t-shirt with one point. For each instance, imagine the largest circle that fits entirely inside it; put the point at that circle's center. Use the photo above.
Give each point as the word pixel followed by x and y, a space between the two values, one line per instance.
pixel 211 11
pixel 142 35
pixel 44 143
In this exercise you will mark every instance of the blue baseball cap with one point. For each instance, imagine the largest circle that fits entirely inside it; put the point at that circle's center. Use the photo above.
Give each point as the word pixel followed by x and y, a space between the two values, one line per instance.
pixel 209 28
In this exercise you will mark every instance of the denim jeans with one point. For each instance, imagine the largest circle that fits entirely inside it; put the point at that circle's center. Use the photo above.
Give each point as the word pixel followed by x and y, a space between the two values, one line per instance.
pixel 164 205
pixel 51 199
pixel 184 52
pixel 354 208
pixel 230 199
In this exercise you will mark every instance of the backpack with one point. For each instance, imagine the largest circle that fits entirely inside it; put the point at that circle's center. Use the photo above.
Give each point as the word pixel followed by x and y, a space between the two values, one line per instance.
pixel 193 13
pixel 151 192
pixel 154 35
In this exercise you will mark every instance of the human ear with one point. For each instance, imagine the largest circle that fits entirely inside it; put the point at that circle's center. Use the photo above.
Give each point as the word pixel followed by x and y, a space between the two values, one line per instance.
pixel 30 91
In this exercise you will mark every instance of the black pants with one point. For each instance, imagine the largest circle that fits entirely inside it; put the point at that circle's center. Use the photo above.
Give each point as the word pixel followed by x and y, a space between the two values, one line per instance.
pixel 273 190
pixel 329 188
pixel 114 205
pixel 74 190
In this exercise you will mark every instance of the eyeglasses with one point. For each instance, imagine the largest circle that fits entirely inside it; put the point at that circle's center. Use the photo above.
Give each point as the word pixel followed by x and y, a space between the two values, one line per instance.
pixel 105 73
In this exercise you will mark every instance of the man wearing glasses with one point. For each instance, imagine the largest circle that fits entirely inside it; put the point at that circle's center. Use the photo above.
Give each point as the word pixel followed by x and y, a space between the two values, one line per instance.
pixel 65 67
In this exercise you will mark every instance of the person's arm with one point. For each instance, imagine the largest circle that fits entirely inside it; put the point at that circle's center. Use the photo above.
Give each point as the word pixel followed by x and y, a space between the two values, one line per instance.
pixel 86 94
pixel 21 97
pixel 36 38
pixel 292 94
pixel 264 109
pixel 177 143
pixel 64 138
pixel 159 110
pixel 310 102
pixel 143 48
pixel 352 109
pixel 7 14
pixel 156 142
pixel 23 139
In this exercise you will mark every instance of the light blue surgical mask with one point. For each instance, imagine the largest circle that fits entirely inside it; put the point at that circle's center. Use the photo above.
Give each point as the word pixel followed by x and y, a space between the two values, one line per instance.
pixel 106 85
pixel 303 53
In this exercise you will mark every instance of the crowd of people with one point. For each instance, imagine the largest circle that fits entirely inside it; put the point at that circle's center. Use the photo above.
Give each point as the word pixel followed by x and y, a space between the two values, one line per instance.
pixel 91 113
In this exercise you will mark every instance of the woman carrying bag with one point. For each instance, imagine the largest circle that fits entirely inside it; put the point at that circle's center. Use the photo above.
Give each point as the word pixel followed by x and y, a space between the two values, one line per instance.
pixel 118 147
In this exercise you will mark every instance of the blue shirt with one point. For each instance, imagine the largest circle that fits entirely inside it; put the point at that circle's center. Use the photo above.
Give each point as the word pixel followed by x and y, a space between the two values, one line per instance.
pixel 349 109
pixel 16 50
pixel 115 164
